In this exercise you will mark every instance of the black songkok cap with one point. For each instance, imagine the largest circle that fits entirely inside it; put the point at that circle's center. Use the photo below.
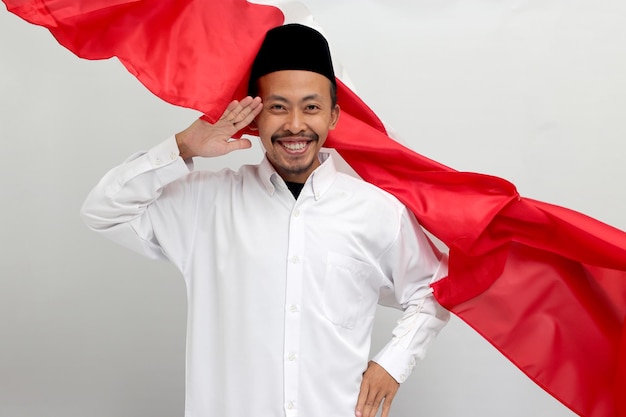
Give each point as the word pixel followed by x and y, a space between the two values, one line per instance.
pixel 292 47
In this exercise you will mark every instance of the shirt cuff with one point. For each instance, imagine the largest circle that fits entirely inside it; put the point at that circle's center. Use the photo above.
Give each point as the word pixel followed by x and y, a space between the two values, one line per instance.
pixel 397 361
pixel 167 154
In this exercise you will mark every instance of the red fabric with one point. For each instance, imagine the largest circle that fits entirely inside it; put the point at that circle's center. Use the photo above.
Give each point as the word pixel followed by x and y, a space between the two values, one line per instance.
pixel 192 53
pixel 545 285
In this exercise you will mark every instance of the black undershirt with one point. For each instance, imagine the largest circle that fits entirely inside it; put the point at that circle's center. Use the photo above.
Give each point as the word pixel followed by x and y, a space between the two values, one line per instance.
pixel 295 188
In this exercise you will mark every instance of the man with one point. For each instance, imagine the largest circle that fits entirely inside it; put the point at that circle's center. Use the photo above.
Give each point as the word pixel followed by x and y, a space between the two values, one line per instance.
pixel 284 261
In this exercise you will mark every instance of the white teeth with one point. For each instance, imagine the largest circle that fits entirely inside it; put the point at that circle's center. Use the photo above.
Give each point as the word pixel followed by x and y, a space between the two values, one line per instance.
pixel 294 146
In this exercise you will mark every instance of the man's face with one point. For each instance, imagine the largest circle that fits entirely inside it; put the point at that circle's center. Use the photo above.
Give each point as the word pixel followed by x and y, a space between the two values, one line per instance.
pixel 296 118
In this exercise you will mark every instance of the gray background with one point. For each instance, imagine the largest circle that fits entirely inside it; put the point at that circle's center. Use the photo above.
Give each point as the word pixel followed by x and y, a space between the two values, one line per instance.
pixel 531 91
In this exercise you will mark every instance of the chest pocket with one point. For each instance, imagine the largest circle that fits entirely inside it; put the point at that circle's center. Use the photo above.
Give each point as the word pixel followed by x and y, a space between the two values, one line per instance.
pixel 349 290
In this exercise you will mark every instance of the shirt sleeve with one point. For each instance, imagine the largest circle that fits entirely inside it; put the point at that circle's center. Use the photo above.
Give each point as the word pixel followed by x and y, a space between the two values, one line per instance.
pixel 413 264
pixel 117 206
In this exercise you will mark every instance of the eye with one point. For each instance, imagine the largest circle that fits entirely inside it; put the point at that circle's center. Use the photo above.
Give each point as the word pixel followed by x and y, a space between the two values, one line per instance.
pixel 312 108
pixel 276 107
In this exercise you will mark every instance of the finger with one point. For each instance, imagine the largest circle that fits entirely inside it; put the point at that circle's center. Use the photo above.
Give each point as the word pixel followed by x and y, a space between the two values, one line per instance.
pixel 241 116
pixel 235 107
pixel 232 110
pixel 243 113
pixel 387 405
pixel 360 403
pixel 247 106
pixel 372 404
pixel 371 401
pixel 249 116
pixel 256 104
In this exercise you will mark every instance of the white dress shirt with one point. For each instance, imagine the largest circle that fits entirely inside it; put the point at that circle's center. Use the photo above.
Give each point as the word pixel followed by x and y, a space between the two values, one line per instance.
pixel 281 292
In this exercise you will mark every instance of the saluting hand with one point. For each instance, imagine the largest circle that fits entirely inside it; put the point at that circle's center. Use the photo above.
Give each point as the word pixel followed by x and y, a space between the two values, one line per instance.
pixel 377 387
pixel 209 140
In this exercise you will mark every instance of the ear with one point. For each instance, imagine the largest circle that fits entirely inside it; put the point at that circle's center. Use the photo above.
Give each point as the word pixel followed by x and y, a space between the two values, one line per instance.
pixel 252 126
pixel 334 117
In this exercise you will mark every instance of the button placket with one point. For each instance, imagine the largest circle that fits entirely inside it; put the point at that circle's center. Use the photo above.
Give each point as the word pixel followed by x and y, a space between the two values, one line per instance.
pixel 295 264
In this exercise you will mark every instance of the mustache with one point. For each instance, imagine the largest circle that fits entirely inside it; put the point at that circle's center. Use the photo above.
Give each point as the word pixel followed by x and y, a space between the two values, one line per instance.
pixel 304 135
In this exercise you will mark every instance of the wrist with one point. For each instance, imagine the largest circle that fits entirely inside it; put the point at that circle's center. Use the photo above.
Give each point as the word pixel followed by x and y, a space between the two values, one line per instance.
pixel 183 149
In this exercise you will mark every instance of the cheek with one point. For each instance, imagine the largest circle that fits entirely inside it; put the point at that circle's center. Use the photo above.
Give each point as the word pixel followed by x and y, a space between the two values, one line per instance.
pixel 267 124
pixel 263 129
pixel 265 141
pixel 321 127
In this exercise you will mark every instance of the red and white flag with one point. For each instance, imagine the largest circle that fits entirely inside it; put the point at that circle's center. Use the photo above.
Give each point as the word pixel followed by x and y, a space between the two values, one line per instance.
pixel 544 284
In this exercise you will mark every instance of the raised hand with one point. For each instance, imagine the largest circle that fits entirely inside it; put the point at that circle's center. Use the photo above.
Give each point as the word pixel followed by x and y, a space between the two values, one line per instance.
pixel 209 140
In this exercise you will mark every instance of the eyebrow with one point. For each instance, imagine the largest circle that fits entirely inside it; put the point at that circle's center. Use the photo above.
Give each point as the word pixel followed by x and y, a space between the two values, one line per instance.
pixel 277 97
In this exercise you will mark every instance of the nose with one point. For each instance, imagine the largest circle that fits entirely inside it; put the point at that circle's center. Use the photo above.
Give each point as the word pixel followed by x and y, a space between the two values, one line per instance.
pixel 295 122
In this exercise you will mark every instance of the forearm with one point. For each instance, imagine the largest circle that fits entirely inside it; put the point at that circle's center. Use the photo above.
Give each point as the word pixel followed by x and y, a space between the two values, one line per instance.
pixel 115 206
pixel 417 328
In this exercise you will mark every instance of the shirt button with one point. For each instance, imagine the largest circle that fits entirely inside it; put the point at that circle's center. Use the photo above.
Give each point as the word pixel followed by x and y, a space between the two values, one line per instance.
pixel 296 213
pixel 293 308
pixel 173 156
pixel 291 405
pixel 291 357
pixel 295 259
pixel 158 161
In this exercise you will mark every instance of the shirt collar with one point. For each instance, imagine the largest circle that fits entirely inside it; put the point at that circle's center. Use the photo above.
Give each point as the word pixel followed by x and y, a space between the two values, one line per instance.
pixel 320 179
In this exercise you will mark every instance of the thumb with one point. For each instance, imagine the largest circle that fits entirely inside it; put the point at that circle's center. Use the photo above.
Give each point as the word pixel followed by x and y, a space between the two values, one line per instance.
pixel 237 144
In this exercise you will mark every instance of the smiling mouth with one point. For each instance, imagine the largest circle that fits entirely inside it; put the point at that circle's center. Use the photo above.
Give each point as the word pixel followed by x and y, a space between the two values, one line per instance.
pixel 294 146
